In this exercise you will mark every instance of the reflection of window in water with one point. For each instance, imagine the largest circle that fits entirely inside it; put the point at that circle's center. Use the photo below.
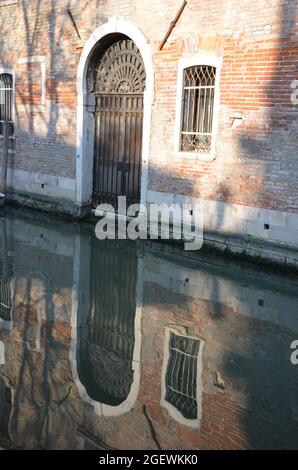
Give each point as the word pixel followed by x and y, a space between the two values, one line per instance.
pixel 5 299
pixel 5 294
pixel 182 377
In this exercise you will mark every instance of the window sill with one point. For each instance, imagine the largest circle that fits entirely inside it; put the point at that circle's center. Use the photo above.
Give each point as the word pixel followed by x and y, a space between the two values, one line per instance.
pixel 209 157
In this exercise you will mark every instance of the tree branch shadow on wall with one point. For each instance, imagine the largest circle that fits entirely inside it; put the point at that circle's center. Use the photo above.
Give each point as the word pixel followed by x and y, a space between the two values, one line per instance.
pixel 269 386
pixel 267 186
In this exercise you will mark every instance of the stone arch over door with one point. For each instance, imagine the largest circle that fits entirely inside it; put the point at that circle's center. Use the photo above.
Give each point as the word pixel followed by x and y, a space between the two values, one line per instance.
pixel 86 108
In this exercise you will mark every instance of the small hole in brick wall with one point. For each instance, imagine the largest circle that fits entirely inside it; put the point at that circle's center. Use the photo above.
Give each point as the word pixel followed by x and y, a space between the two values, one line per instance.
pixel 42 185
pixel 266 226
pixel 261 303
pixel 41 235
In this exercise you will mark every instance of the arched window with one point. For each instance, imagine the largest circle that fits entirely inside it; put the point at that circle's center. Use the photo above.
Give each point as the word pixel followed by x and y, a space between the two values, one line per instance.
pixel 6 102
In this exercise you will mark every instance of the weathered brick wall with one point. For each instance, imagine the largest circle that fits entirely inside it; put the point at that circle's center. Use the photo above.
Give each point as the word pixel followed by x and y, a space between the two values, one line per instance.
pixel 255 163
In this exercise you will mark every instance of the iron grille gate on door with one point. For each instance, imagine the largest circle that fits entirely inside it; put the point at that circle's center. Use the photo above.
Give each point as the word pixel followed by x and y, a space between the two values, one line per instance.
pixel 119 88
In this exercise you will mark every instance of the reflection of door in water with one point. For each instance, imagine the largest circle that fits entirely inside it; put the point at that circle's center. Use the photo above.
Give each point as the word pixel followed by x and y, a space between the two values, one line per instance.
pixel 107 337
pixel 119 90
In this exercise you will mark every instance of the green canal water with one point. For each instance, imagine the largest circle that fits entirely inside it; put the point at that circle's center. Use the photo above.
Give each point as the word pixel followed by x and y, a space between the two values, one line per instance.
pixel 132 345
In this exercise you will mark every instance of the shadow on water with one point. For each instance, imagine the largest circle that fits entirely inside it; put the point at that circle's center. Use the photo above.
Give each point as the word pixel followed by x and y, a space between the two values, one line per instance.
pixel 263 367
pixel 123 345
pixel 34 389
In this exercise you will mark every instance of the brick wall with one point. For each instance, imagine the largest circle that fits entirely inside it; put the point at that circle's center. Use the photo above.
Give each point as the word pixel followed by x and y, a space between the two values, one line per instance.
pixel 255 162
pixel 254 159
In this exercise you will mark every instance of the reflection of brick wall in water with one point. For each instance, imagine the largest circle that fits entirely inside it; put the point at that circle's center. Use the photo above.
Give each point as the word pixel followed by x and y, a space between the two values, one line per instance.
pixel 43 407
pixel 245 341
pixel 37 367
pixel 231 418
pixel 245 351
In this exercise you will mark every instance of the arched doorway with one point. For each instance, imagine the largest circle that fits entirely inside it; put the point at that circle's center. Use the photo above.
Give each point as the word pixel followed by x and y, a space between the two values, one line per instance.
pixel 102 38
pixel 119 85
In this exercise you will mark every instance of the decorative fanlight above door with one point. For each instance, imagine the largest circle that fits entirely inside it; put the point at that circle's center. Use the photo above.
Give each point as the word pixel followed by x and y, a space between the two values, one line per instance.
pixel 120 70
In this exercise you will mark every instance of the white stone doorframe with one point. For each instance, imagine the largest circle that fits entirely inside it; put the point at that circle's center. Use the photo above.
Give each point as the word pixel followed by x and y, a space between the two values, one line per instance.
pixel 86 108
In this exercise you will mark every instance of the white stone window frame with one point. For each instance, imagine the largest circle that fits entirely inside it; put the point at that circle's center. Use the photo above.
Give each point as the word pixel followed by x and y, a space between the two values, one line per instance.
pixel 174 413
pixel 8 71
pixel 184 63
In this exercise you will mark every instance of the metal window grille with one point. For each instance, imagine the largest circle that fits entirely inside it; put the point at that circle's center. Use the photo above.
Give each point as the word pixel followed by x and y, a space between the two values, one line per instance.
pixel 6 102
pixel 197 109
pixel 181 375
